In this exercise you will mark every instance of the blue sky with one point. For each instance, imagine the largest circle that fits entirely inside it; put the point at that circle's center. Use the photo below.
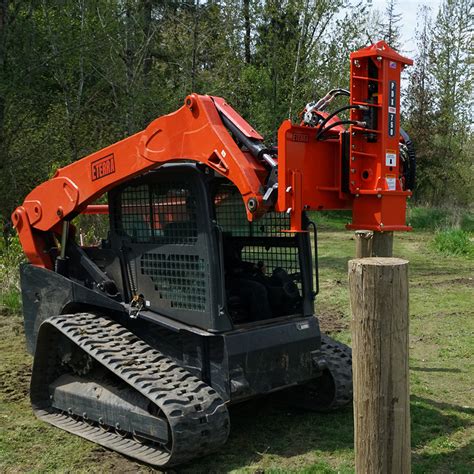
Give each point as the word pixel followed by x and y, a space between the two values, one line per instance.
pixel 408 9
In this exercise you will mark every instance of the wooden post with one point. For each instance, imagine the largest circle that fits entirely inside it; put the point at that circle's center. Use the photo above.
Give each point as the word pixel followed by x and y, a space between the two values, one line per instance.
pixel 379 302
pixel 373 244
pixel 363 243
pixel 382 245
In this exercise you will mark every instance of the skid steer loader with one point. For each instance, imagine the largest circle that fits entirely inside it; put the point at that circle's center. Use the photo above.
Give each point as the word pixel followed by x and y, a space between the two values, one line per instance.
pixel 202 293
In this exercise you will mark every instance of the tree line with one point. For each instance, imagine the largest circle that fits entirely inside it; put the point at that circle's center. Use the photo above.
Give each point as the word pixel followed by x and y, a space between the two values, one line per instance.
pixel 77 75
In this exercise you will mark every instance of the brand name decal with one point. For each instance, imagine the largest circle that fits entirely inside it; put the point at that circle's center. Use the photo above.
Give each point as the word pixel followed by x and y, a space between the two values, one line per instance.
pixel 102 167
pixel 392 108
pixel 299 137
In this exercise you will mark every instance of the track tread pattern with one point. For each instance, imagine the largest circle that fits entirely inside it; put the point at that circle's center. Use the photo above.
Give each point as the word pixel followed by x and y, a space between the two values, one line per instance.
pixel 339 359
pixel 197 416
pixel 333 388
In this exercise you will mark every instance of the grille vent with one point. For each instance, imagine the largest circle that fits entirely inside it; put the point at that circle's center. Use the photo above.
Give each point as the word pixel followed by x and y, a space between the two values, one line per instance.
pixel 179 279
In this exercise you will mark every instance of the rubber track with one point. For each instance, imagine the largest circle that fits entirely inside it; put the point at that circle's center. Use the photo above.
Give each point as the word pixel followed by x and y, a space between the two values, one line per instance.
pixel 196 414
pixel 339 359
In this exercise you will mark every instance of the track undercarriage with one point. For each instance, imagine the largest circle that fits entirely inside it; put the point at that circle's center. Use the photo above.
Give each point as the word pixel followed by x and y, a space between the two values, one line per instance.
pixel 94 378
pixel 131 399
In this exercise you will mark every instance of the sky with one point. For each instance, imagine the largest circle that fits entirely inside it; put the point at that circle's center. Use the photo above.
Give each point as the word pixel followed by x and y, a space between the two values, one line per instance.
pixel 408 9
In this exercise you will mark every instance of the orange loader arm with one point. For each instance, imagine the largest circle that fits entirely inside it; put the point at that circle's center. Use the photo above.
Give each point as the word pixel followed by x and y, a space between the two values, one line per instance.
pixel 195 132
pixel 319 164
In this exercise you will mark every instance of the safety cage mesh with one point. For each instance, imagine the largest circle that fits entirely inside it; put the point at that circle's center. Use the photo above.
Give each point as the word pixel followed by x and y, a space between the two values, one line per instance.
pixel 159 220
pixel 232 217
pixel 158 212
pixel 265 242
pixel 179 279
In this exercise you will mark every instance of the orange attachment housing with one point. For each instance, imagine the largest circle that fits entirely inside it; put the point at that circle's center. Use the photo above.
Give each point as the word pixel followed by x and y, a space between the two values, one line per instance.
pixel 309 172
pixel 359 169
pixel 375 168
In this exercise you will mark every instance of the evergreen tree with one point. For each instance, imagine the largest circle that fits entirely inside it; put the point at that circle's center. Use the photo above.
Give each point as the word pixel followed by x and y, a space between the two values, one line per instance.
pixel 453 88
pixel 419 102
pixel 392 25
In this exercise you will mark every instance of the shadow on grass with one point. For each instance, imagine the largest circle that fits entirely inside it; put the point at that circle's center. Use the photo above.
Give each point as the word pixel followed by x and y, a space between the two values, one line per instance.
pixel 266 427
pixel 432 422
pixel 435 369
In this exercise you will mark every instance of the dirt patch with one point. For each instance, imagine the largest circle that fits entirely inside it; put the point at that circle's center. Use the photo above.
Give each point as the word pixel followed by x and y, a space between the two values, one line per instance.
pixel 113 462
pixel 15 384
pixel 462 281
pixel 448 314
pixel 333 321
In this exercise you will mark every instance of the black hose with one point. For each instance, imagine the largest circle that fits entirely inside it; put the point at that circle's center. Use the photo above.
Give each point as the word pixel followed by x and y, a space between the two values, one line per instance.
pixel 330 116
pixel 335 124
pixel 409 170
pixel 339 91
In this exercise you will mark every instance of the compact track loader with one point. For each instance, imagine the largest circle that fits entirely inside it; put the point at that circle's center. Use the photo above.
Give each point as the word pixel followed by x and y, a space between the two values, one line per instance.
pixel 202 293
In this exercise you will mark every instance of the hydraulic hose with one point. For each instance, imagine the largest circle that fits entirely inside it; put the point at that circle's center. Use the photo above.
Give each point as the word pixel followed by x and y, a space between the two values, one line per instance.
pixel 329 97
pixel 409 171
pixel 340 122
pixel 330 116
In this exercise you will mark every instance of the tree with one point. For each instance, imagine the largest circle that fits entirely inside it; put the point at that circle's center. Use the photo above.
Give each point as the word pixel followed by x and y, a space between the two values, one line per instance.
pixel 392 25
pixel 383 25
pixel 439 105
pixel 419 101
pixel 453 86
pixel 247 26
pixel 77 75
pixel 3 54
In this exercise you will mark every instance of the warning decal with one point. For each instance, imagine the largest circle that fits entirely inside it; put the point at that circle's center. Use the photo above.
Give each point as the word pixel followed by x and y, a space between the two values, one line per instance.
pixel 391 182
pixel 391 158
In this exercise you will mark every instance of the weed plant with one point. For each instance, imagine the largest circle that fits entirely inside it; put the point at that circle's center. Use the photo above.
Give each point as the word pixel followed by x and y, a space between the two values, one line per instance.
pixel 454 242
pixel 11 256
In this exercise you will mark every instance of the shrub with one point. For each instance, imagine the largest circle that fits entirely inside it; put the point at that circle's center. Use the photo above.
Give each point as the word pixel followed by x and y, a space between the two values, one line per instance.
pixel 454 242
pixel 467 222
pixel 10 301
pixel 11 256
pixel 431 218
pixel 420 218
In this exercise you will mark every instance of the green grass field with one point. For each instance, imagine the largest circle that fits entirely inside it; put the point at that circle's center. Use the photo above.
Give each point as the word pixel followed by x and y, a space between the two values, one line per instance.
pixel 269 438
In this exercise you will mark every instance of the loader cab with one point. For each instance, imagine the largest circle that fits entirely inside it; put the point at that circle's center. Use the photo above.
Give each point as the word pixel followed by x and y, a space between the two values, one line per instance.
pixel 187 248
pixel 267 269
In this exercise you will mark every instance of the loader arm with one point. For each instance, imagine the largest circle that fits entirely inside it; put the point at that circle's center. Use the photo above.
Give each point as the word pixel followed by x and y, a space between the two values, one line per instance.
pixel 195 132
pixel 318 164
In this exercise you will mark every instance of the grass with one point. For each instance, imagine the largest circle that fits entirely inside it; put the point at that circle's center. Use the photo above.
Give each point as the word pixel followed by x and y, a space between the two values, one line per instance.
pixel 419 217
pixel 267 438
pixel 454 242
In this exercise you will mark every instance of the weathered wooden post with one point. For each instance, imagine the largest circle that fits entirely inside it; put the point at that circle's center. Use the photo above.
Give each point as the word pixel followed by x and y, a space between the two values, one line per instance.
pixel 379 301
pixel 363 243
pixel 373 244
